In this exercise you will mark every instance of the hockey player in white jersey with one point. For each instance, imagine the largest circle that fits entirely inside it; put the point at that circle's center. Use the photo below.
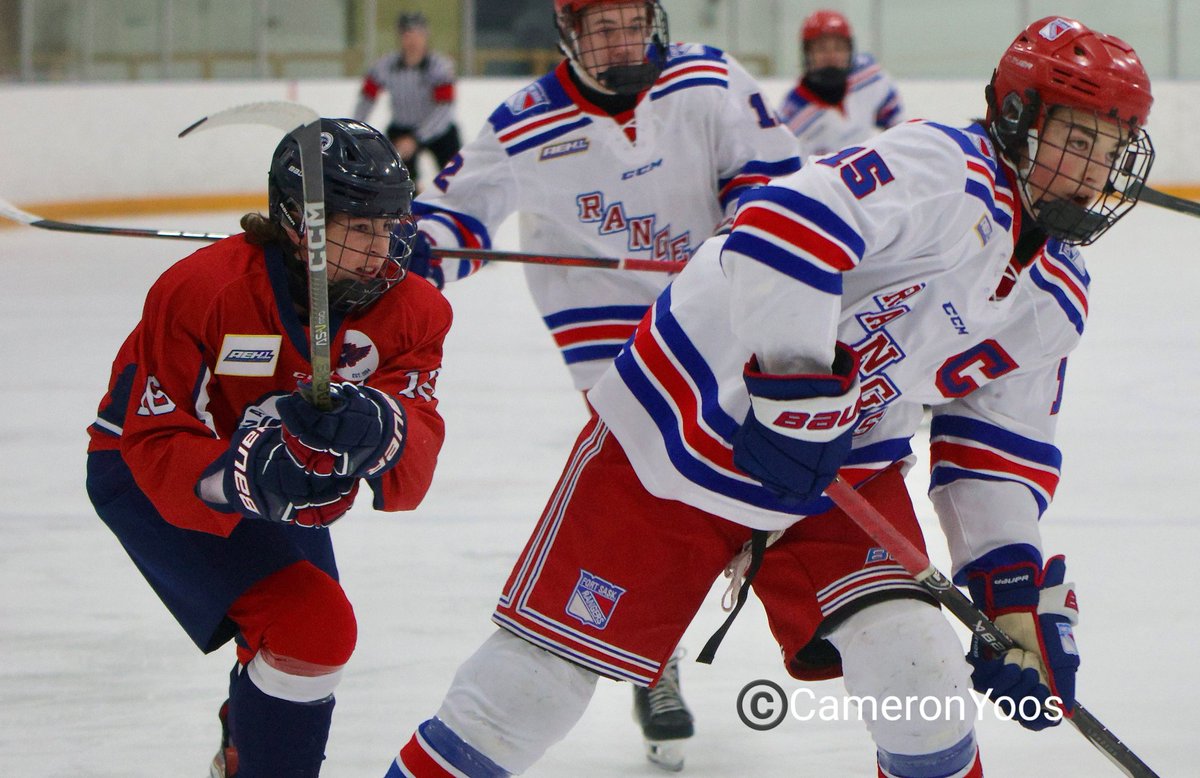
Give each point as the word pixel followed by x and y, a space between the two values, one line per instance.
pixel 629 148
pixel 933 266
pixel 843 96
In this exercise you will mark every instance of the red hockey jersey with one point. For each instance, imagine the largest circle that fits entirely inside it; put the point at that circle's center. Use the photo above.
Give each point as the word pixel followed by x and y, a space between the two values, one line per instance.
pixel 220 340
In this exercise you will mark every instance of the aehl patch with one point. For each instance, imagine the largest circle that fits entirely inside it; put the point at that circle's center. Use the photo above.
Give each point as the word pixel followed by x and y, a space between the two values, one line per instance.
pixel 593 600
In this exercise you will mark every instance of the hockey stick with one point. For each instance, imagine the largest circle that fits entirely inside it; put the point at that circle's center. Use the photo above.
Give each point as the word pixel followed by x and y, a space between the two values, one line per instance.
pixel 1170 202
pixel 917 564
pixel 13 213
pixel 304 124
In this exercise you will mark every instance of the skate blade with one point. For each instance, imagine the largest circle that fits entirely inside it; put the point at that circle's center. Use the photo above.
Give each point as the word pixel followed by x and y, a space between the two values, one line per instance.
pixel 667 754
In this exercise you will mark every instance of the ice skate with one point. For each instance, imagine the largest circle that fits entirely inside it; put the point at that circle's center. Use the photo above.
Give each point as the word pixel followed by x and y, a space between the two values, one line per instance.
pixel 664 717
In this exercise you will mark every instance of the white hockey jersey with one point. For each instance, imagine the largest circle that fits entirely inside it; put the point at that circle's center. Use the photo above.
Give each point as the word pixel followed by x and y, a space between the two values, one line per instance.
pixel 872 103
pixel 653 183
pixel 903 250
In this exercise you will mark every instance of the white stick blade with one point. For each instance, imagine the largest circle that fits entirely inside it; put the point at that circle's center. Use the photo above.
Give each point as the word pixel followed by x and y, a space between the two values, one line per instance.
pixel 12 212
pixel 273 113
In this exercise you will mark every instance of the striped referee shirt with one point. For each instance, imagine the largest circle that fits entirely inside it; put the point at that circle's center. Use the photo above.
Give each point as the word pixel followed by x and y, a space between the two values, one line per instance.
pixel 422 96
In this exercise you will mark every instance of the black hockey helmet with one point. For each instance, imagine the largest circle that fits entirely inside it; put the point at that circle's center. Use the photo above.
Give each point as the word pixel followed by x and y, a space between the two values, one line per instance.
pixel 363 177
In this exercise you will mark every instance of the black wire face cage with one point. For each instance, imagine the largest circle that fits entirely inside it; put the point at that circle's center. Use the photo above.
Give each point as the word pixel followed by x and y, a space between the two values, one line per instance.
pixel 622 59
pixel 1082 213
pixel 391 239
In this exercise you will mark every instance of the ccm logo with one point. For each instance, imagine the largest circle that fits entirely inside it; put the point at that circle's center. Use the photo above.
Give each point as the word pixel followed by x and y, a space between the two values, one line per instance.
pixel 826 420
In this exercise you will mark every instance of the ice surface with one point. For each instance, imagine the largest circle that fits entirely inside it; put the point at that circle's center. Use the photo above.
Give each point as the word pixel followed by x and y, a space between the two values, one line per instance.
pixel 96 679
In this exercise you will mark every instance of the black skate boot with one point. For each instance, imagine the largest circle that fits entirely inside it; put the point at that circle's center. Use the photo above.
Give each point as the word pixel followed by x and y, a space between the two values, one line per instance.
pixel 664 717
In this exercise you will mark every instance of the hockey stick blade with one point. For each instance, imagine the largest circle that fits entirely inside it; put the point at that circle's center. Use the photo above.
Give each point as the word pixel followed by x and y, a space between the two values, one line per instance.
pixel 1163 200
pixel 917 564
pixel 273 113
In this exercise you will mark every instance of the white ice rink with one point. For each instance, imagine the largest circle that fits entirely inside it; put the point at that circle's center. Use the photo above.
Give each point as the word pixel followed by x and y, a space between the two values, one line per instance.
pixel 96 679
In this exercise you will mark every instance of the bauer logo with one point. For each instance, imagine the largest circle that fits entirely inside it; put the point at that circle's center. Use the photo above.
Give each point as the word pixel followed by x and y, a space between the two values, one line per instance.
pixel 563 149
pixel 593 600
pixel 249 355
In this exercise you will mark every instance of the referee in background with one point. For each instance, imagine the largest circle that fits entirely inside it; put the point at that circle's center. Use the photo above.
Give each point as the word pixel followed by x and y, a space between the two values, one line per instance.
pixel 421 84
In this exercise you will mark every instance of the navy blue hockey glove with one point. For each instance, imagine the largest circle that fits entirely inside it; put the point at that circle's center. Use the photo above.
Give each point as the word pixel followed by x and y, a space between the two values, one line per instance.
pixel 799 429
pixel 362 437
pixel 261 480
pixel 422 263
pixel 1036 609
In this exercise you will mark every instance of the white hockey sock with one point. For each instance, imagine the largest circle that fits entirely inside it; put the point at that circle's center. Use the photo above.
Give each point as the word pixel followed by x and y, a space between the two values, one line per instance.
pixel 905 650
pixel 512 700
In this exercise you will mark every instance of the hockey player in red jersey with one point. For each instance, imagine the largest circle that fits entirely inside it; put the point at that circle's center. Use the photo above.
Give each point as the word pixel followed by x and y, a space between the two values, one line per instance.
pixel 219 478
pixel 934 266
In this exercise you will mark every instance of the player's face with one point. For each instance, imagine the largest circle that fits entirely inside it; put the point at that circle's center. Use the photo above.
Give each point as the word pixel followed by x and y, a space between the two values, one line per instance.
pixel 357 246
pixel 1076 154
pixel 613 34
pixel 828 51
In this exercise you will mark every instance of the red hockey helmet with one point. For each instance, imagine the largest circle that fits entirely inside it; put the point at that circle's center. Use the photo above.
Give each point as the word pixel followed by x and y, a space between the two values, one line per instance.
pixel 1068 64
pixel 1058 62
pixel 820 23
pixel 594 57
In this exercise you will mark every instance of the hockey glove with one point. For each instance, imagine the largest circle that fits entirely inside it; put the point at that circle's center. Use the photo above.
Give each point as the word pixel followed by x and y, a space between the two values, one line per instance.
pixel 1036 609
pixel 362 437
pixel 261 480
pixel 422 262
pixel 799 429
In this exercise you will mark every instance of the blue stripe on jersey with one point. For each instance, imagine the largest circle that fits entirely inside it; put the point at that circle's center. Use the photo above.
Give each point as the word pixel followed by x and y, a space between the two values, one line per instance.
pixel 1066 302
pixel 983 193
pixel 885 115
pixel 756 167
pixel 677 342
pixel 630 313
pixel 545 137
pixel 884 451
pixel 575 354
pixel 817 212
pixel 866 83
pixel 796 99
pixel 962 138
pixel 447 217
pixel 977 189
pixel 948 474
pixel 1045 454
pixel 687 83
pixel 1068 256
pixel 784 261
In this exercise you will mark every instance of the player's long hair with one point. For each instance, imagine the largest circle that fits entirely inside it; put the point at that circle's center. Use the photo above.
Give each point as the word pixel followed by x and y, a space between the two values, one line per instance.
pixel 261 231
